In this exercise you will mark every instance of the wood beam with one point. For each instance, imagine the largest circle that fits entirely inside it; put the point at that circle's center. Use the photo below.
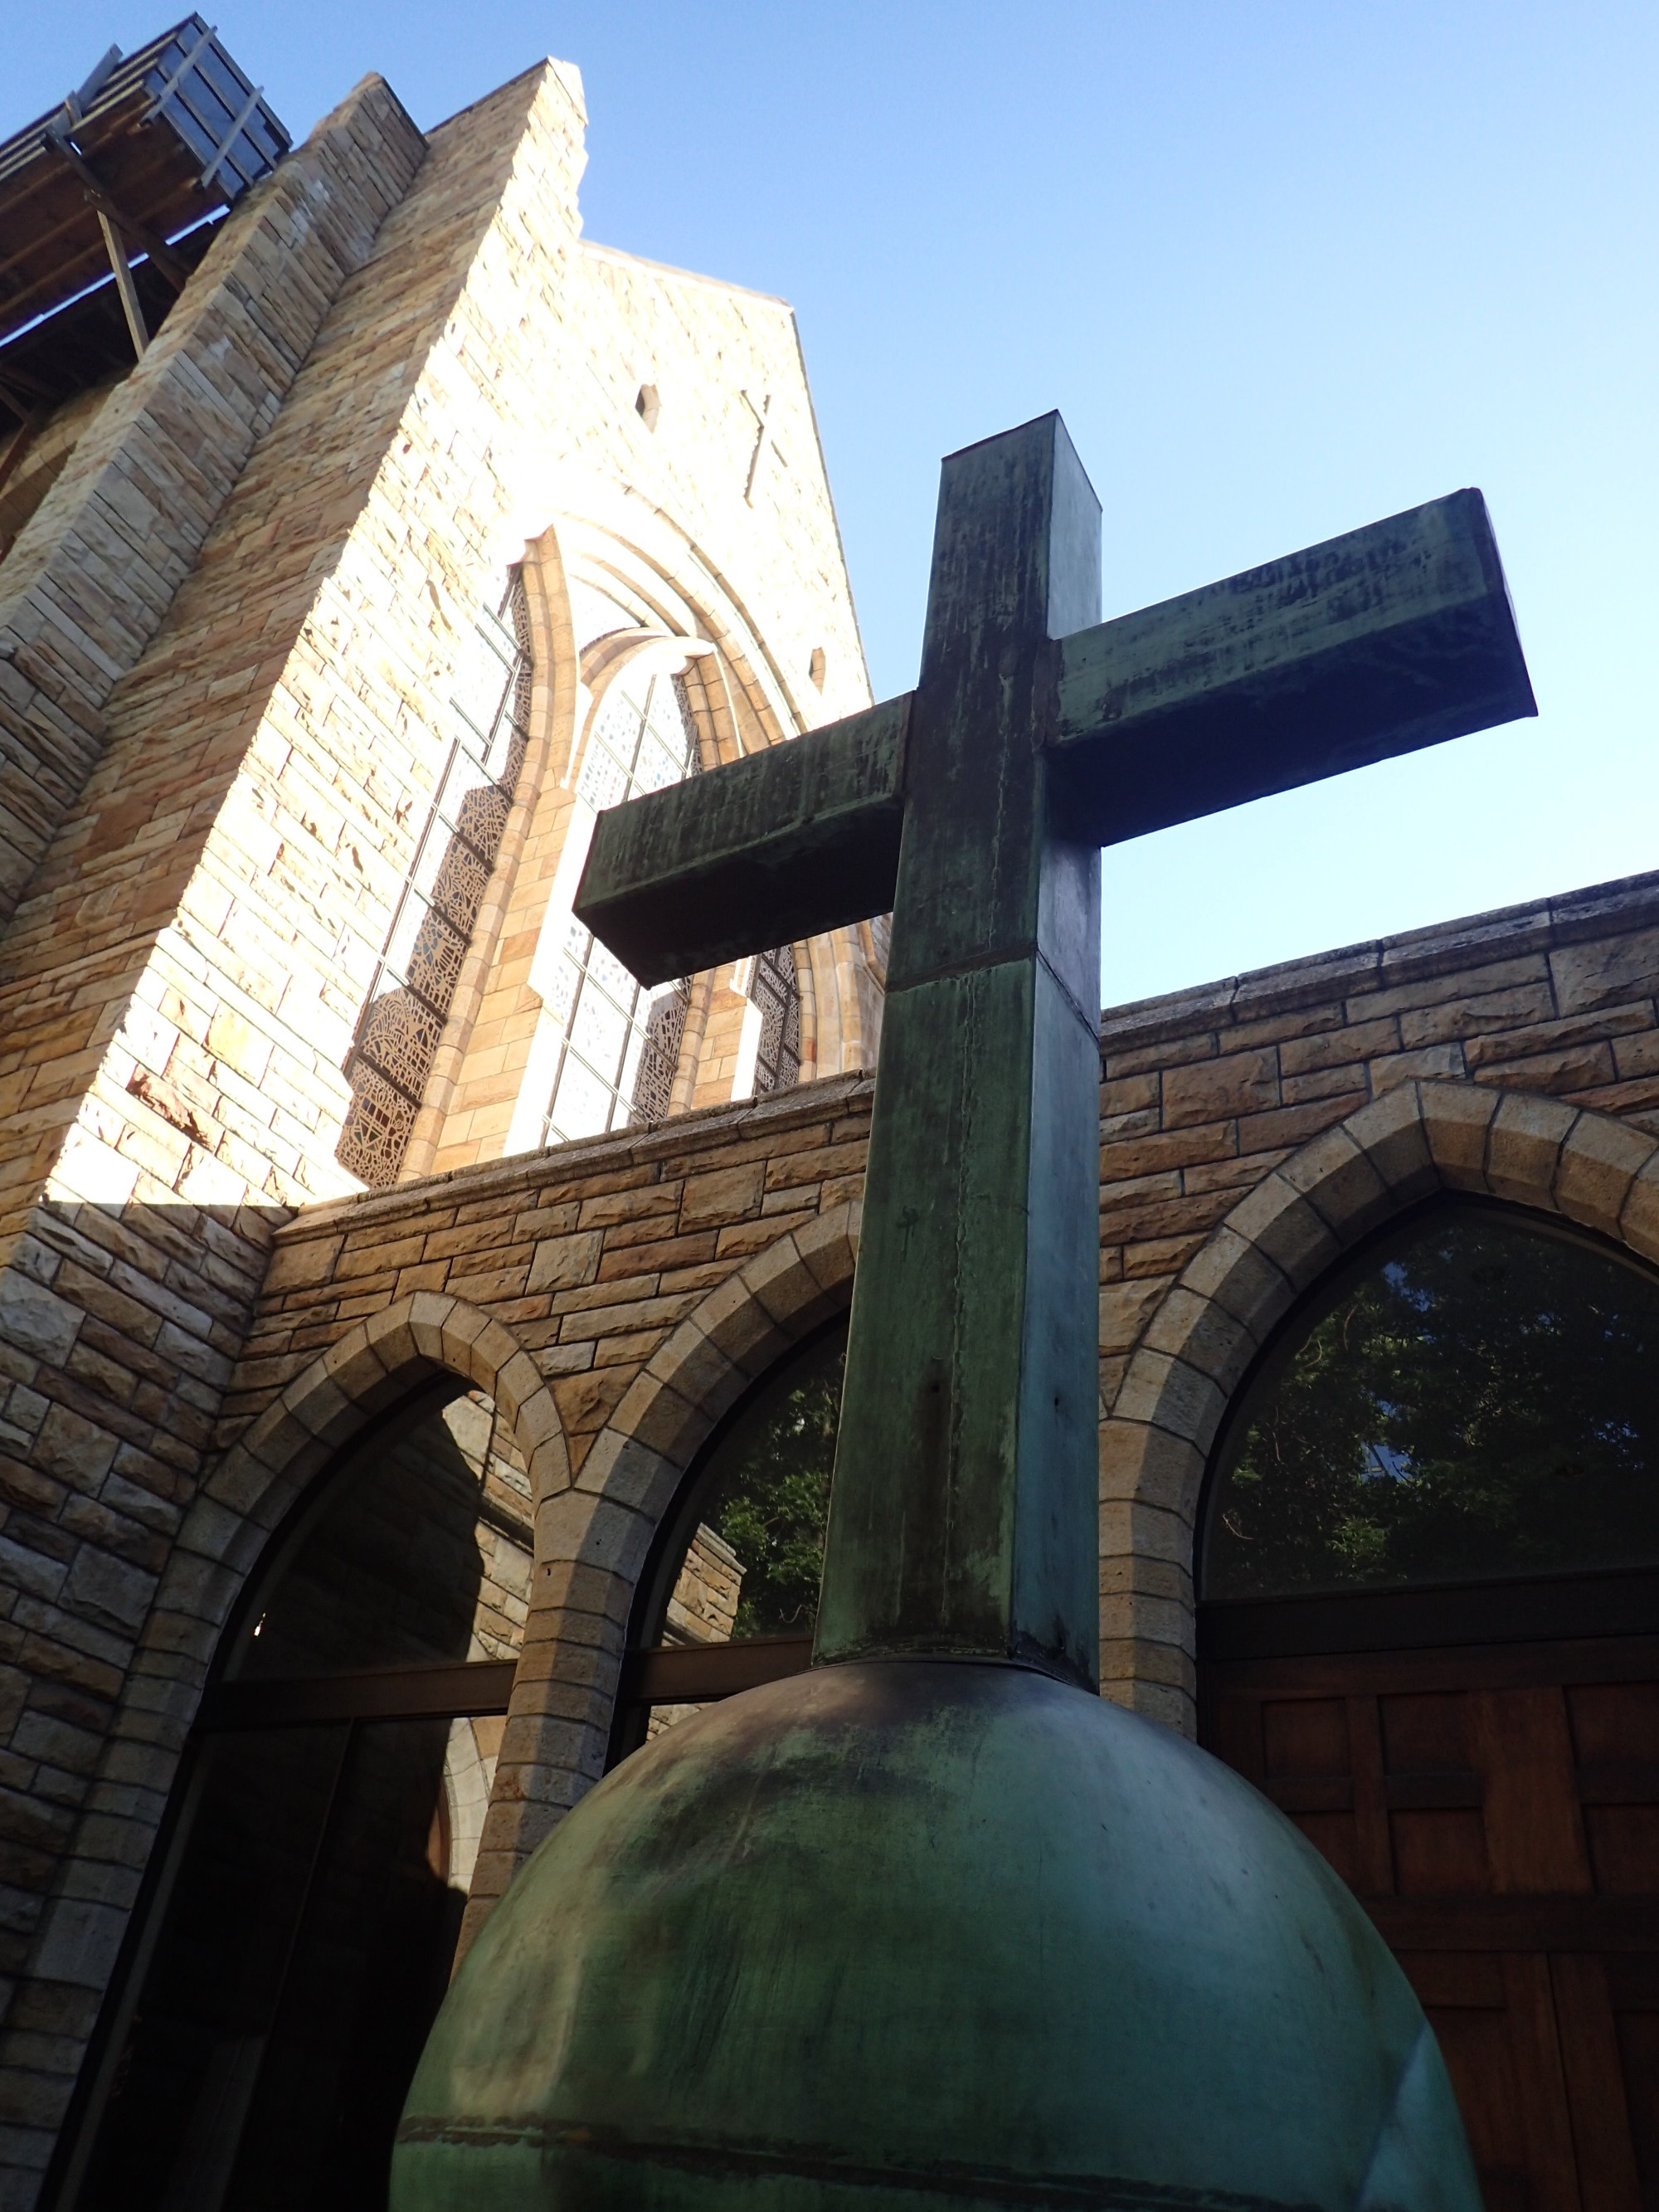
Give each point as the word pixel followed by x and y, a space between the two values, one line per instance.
pixel 131 307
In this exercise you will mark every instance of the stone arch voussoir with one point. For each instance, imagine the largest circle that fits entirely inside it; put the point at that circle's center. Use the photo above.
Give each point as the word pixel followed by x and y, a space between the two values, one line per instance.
pixel 225 1531
pixel 377 1362
pixel 594 1533
pixel 1276 1243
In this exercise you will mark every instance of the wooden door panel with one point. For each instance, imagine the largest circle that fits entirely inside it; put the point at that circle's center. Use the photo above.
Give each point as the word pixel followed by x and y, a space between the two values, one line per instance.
pixel 1633 1993
pixel 1502 1826
pixel 1623 1849
pixel 1523 1753
pixel 1613 1721
pixel 1590 2057
pixel 1470 2015
pixel 1441 1853
pixel 1332 1836
pixel 1426 1733
pixel 1304 1735
pixel 1545 2123
pixel 1638 2053
pixel 1232 1730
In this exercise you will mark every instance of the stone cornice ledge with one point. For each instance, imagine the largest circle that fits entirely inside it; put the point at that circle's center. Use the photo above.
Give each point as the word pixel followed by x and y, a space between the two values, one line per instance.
pixel 701 1131
pixel 1611 909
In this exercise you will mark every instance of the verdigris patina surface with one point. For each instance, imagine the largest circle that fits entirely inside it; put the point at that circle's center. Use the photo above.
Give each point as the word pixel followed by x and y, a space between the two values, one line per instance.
pixel 933 1923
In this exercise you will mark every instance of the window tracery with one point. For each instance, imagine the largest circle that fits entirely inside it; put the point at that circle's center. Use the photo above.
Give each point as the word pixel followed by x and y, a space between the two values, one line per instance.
pixel 775 993
pixel 407 1004
pixel 618 1043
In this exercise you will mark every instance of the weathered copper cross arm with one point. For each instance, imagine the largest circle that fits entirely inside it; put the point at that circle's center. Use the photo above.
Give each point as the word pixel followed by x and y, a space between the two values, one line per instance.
pixel 1378 643
pixel 965 1515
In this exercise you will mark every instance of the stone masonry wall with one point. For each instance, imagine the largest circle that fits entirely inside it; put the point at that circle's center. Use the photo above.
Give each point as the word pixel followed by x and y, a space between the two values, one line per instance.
pixel 94 570
pixel 177 990
pixel 1205 1095
pixel 1208 1091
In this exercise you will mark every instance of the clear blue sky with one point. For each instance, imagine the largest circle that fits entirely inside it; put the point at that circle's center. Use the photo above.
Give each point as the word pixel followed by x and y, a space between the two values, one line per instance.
pixel 1285 265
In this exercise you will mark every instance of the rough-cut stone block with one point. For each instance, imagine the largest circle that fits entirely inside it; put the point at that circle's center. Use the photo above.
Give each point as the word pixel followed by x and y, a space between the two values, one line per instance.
pixel 1217 1089
pixel 1286 1230
pixel 1162 1154
pixel 1170 1394
pixel 1456 1121
pixel 829 1246
pixel 1523 1146
pixel 74 1449
pixel 1391 1133
pixel 580 1524
pixel 1238 1275
pixel 301 1263
pixel 35 1320
pixel 1203 1335
pixel 568 1262
pixel 430 1314
pixel 1599 1160
pixel 1335 1176
pixel 517 1379
pixel 1638 1218
pixel 693 1363
pixel 1124 1307
pixel 654 1414
pixel 548 1465
pixel 1606 970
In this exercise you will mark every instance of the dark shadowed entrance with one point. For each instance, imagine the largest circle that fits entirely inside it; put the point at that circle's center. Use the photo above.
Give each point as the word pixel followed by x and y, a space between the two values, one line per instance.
pixel 1430 1586
pixel 299 1932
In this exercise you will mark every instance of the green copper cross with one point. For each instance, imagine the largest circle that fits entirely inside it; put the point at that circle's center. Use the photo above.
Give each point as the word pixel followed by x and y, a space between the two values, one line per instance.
pixel 964 1514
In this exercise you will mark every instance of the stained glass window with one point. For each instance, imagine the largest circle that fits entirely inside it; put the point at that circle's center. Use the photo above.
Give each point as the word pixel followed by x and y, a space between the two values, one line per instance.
pixel 403 1018
pixel 775 992
pixel 618 1042
pixel 1481 1401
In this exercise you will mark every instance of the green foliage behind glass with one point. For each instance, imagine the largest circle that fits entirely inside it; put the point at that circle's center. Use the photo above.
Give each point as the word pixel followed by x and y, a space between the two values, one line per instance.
pixel 770 1490
pixel 1486 1402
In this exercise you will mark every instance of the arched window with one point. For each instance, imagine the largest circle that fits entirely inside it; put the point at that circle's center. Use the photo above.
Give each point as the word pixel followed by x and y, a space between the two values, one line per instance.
pixel 1480 1400
pixel 305 1901
pixel 772 1026
pixel 408 1001
pixel 1429 1585
pixel 730 1596
pixel 616 1044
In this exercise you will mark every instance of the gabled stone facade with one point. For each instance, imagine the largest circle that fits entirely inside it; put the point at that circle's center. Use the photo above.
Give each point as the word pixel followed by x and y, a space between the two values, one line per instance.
pixel 236 632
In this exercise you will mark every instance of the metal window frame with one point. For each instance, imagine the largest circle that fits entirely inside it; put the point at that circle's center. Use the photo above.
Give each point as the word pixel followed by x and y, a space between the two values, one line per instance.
pixel 638 1013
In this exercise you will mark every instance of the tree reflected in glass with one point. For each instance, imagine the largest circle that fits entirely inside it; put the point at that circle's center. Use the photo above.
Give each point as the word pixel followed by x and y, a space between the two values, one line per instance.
pixel 763 1500
pixel 1483 1402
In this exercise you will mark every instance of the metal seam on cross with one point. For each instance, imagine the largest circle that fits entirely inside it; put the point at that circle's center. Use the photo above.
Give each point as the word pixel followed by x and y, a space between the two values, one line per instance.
pixel 973 962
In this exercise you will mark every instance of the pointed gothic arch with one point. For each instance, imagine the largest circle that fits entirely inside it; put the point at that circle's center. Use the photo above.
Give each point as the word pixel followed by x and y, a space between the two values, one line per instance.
pixel 1393 1152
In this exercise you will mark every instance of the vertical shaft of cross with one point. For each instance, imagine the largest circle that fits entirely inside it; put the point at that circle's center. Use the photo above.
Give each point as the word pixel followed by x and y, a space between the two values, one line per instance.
pixel 963 1514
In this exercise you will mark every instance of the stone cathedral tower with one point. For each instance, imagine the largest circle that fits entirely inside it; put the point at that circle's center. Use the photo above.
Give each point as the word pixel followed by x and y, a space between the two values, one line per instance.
pixel 406 528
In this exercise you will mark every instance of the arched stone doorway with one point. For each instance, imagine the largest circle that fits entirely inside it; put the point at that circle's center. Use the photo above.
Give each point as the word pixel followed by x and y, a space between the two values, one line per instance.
pixel 1464 1725
pixel 305 1895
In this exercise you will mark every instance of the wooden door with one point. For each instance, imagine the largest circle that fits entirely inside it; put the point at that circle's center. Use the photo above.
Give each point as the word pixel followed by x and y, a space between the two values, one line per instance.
pixel 1496 1809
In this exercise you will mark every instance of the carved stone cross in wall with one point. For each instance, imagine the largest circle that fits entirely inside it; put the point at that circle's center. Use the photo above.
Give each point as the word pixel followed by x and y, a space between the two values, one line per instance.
pixel 963 1513
pixel 764 441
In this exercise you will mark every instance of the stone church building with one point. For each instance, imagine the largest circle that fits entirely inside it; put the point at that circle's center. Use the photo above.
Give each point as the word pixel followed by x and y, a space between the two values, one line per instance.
pixel 419 1342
